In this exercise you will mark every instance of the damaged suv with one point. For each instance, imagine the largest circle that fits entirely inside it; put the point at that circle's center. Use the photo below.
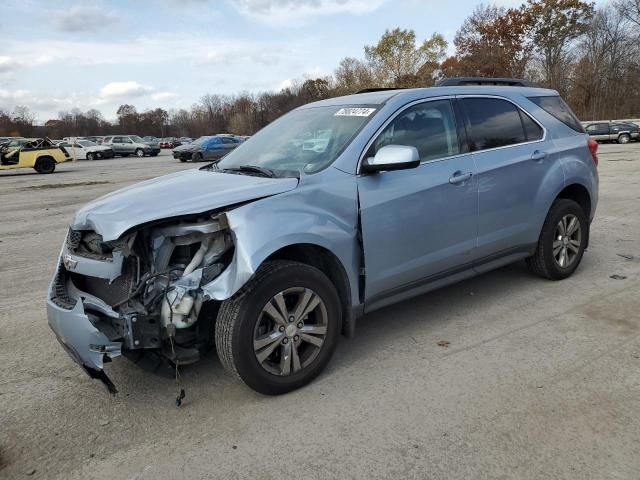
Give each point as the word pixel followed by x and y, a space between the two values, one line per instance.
pixel 271 253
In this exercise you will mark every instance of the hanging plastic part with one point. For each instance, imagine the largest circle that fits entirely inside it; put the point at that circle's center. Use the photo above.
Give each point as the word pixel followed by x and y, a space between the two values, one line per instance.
pixel 171 332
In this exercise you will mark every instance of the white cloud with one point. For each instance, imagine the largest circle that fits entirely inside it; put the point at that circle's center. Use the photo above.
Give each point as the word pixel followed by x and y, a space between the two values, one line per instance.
pixel 284 12
pixel 83 19
pixel 9 99
pixel 163 96
pixel 119 90
pixel 7 64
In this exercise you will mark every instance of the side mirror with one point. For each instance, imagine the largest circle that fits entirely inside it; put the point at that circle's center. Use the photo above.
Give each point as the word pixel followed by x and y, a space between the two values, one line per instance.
pixel 392 157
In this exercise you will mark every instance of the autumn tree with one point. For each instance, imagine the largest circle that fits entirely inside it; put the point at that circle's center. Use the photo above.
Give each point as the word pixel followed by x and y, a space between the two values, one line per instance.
pixel 397 61
pixel 492 42
pixel 555 26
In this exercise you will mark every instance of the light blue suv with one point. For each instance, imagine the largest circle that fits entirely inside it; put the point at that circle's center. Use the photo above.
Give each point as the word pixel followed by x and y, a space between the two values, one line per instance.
pixel 336 209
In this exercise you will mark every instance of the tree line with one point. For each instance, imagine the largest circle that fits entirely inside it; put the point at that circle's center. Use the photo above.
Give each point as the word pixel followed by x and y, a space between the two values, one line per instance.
pixel 591 56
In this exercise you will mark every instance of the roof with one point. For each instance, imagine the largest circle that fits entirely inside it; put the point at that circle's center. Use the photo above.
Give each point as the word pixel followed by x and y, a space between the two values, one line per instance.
pixel 383 96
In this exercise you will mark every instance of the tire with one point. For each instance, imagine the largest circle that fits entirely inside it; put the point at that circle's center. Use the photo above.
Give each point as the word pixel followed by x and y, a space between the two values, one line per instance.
pixel 91 156
pixel 197 157
pixel 183 160
pixel 45 165
pixel 242 318
pixel 547 261
pixel 139 153
pixel 624 138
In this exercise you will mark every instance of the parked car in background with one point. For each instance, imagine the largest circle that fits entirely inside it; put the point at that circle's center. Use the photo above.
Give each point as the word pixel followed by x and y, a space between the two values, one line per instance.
pixel 620 132
pixel 184 140
pixel 151 139
pixel 169 142
pixel 125 145
pixel 87 150
pixel 206 149
pixel 95 139
pixel 38 153
pixel 274 251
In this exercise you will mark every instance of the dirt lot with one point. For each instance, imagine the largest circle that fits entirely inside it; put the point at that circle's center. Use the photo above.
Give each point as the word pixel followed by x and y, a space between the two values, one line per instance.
pixel 540 379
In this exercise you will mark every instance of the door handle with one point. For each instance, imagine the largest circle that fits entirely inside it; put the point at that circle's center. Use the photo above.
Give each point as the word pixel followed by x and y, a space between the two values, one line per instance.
pixel 538 156
pixel 460 177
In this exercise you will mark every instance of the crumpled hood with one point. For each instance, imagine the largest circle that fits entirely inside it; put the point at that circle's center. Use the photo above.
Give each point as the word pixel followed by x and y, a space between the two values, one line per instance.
pixel 185 146
pixel 180 193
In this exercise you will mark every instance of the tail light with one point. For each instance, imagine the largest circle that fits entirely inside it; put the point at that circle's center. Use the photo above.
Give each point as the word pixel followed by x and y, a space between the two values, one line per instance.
pixel 593 148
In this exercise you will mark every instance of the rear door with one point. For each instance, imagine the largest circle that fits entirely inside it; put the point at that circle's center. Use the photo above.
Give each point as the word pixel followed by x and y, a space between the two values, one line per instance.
pixel 418 224
pixel 512 157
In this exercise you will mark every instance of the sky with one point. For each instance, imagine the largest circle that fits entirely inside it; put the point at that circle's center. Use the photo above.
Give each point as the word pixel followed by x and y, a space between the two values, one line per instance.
pixel 64 54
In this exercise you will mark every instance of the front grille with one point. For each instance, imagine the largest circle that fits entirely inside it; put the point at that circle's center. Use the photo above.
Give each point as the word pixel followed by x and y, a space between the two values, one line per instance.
pixel 59 293
pixel 73 240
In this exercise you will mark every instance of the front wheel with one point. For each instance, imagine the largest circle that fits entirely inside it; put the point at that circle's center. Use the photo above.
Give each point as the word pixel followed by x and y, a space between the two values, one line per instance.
pixel 562 241
pixel 139 153
pixel 197 157
pixel 91 156
pixel 45 165
pixel 624 138
pixel 280 330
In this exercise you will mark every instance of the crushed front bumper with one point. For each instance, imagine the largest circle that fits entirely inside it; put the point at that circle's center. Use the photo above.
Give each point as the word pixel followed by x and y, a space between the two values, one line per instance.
pixel 74 328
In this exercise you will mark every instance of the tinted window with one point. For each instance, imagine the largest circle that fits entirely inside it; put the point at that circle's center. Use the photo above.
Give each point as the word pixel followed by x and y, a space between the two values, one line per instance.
pixel 598 129
pixel 227 140
pixel 555 106
pixel 429 126
pixel 532 130
pixel 117 139
pixel 494 123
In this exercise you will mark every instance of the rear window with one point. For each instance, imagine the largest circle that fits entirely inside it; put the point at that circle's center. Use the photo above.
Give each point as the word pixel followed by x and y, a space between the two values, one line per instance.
pixel 555 106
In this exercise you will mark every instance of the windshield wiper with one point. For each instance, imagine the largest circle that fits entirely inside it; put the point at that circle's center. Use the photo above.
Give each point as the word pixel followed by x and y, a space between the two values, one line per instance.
pixel 262 171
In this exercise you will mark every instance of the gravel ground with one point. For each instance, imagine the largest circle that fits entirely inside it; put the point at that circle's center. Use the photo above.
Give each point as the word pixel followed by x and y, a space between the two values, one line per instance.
pixel 539 380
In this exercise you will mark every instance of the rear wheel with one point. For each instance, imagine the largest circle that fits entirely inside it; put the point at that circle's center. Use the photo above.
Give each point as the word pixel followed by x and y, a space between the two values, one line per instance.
pixel 45 165
pixel 562 241
pixel 280 330
pixel 139 153
pixel 91 156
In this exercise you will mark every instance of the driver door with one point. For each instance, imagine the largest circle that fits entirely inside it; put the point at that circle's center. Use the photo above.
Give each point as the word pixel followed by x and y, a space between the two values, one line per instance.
pixel 421 224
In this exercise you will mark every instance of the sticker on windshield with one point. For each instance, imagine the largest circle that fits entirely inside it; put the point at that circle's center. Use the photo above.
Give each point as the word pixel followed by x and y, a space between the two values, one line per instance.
pixel 354 112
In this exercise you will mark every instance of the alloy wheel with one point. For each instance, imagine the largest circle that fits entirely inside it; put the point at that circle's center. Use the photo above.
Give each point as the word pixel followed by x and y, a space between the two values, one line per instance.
pixel 290 331
pixel 567 240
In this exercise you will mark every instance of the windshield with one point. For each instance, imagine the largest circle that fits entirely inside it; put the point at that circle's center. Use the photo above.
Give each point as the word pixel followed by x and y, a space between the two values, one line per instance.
pixel 87 143
pixel 137 139
pixel 200 140
pixel 304 140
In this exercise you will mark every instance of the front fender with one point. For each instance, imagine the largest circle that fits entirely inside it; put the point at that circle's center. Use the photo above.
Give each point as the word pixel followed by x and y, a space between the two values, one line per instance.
pixel 322 213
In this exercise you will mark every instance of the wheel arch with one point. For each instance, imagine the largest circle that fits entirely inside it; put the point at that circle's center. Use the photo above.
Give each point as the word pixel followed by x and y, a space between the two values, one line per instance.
pixel 328 263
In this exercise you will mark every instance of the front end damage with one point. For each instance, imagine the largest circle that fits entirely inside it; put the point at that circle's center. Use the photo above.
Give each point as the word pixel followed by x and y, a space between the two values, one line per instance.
pixel 144 293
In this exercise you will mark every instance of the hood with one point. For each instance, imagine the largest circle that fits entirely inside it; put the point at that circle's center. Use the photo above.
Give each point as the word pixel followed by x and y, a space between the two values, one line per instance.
pixel 181 193
pixel 185 146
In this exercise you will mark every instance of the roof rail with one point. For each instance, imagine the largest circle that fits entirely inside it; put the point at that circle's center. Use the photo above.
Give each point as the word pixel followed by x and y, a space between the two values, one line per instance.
pixel 379 89
pixel 462 81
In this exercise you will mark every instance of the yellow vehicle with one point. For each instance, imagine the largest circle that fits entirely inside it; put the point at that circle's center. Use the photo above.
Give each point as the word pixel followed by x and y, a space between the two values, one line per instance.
pixel 37 153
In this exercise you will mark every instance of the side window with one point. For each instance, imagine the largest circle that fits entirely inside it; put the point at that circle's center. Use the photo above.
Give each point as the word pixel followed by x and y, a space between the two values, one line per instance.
pixel 126 140
pixel 532 130
pixel 494 123
pixel 592 128
pixel 117 139
pixel 227 140
pixel 428 126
